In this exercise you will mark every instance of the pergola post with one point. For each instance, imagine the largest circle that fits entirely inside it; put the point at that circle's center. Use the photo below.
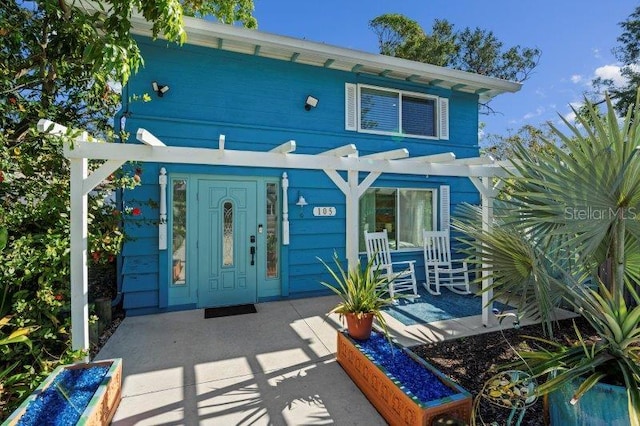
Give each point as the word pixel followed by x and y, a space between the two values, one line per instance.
pixel 488 193
pixel 352 213
pixel 487 218
pixel 79 275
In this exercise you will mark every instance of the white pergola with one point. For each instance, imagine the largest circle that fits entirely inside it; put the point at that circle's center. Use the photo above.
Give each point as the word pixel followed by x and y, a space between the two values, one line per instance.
pixel 343 159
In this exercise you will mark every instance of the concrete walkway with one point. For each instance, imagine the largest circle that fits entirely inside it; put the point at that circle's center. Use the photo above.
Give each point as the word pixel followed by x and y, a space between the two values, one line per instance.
pixel 275 367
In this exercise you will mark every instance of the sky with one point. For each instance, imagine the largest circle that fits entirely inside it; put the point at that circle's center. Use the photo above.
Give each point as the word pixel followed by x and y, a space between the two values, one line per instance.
pixel 576 39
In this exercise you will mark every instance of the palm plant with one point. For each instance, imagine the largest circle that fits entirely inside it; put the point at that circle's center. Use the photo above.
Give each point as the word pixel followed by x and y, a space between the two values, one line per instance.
pixel 572 207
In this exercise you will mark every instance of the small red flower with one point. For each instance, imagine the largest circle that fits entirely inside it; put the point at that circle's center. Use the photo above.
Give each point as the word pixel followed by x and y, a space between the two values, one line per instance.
pixel 1 176
pixel 136 211
pixel 136 178
pixel 58 297
pixel 138 171
pixel 115 212
pixel 111 259
pixel 95 255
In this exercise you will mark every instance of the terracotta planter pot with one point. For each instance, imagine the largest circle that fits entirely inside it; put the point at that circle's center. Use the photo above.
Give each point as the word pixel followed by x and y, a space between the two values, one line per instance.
pixel 359 328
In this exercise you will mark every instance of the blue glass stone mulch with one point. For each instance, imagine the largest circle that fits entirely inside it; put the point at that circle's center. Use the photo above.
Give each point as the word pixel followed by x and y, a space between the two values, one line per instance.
pixel 414 377
pixel 51 408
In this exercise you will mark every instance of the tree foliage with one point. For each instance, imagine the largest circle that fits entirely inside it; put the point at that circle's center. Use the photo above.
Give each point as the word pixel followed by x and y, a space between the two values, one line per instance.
pixel 628 53
pixel 534 139
pixel 64 61
pixel 474 50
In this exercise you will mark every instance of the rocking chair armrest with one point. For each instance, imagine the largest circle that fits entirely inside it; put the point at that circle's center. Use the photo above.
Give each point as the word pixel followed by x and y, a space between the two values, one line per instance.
pixel 462 262
pixel 410 264
pixel 400 262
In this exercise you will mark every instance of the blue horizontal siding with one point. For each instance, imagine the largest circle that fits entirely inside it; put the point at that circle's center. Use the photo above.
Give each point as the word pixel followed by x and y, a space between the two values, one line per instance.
pixel 140 246
pixel 140 299
pixel 257 103
pixel 140 282
pixel 139 265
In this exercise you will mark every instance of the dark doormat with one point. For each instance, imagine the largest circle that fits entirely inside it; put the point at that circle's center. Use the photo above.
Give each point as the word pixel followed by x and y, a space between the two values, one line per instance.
pixel 229 310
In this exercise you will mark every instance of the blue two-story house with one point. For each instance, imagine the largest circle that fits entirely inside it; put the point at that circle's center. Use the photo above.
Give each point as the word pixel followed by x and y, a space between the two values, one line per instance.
pixel 253 231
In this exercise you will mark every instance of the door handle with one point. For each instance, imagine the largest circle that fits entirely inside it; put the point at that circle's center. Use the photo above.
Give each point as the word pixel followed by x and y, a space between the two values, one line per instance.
pixel 252 251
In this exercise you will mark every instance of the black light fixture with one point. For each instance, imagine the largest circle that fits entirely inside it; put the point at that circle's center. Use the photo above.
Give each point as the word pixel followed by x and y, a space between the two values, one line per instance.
pixel 311 102
pixel 159 88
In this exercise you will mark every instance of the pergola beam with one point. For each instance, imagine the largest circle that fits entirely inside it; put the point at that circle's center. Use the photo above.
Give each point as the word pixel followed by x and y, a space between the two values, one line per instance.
pixel 394 154
pixel 284 148
pixel 342 151
pixel 148 138
pixel 445 157
pixel 207 156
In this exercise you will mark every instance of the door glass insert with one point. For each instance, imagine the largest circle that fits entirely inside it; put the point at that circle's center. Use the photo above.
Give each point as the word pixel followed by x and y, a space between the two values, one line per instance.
pixel 179 232
pixel 272 231
pixel 227 234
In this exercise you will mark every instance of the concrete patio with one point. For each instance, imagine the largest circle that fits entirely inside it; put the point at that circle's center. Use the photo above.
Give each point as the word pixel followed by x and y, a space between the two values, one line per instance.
pixel 275 367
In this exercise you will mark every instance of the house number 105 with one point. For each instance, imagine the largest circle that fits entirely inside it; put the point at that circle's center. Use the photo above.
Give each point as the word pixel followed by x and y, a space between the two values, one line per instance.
pixel 324 211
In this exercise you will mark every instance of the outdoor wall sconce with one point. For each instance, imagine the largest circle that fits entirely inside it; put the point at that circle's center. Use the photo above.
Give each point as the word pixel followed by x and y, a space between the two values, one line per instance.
pixel 311 102
pixel 301 202
pixel 160 89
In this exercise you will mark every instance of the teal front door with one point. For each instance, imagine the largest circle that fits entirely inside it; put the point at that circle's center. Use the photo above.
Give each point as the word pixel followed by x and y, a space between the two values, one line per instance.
pixel 226 242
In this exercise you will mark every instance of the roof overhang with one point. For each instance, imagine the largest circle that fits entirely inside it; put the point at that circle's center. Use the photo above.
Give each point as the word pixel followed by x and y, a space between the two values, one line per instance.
pixel 201 32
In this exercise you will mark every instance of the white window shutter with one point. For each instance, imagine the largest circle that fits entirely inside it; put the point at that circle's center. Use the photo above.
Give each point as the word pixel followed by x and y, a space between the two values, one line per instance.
pixel 445 208
pixel 444 118
pixel 350 107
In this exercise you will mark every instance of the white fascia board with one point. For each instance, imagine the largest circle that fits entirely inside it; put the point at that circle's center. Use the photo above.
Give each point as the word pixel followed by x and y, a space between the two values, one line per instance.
pixel 208 33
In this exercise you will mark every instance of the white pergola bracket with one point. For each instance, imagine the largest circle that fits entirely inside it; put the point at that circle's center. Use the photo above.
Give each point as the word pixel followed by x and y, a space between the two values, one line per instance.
pixel 100 174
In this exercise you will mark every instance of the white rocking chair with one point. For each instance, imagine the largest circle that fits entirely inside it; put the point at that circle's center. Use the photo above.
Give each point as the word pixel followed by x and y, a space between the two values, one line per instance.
pixel 404 280
pixel 439 267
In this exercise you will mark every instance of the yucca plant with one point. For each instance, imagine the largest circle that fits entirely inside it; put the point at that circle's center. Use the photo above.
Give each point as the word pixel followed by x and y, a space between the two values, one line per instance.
pixel 361 290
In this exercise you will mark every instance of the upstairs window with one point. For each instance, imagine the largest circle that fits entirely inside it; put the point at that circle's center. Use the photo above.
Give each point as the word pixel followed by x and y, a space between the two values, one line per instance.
pixel 371 109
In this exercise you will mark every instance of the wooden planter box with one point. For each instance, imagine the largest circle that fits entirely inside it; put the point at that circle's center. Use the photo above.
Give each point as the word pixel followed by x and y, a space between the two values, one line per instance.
pixel 102 406
pixel 387 394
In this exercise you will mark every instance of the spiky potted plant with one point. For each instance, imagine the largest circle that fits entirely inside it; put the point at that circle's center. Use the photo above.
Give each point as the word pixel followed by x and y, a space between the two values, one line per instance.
pixel 363 292
pixel 570 208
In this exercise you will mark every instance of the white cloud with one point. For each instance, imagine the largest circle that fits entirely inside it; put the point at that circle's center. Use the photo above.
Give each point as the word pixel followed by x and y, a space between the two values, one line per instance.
pixel 576 78
pixel 596 53
pixel 537 113
pixel 611 72
pixel 571 116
